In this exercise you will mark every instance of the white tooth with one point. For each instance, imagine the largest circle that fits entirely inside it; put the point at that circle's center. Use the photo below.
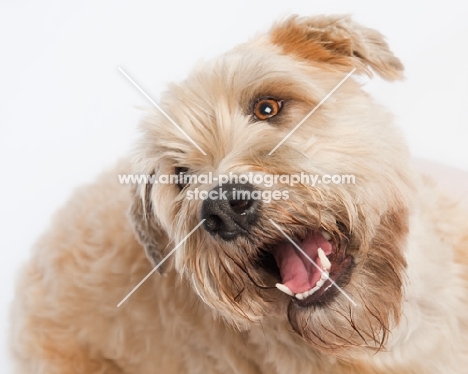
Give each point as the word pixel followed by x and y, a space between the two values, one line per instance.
pixel 284 289
pixel 306 294
pixel 299 296
pixel 312 291
pixel 326 264
pixel 324 275
pixel 326 235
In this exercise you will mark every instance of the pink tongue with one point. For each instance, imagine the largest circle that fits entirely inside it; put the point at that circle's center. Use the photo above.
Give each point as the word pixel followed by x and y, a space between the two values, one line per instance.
pixel 298 273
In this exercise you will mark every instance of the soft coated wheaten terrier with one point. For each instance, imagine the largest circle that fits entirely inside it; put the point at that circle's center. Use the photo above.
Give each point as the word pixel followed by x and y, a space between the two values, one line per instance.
pixel 363 277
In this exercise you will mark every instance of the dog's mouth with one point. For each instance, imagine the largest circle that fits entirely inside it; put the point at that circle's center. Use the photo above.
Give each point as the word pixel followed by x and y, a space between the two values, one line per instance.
pixel 310 270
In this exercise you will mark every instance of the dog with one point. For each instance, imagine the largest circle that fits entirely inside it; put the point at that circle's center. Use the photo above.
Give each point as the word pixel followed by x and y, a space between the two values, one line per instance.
pixel 363 277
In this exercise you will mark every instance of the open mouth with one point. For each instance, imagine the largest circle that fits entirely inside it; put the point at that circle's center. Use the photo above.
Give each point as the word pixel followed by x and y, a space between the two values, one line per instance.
pixel 309 272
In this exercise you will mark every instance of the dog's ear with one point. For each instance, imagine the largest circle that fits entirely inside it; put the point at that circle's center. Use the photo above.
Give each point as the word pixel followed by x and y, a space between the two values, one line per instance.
pixel 339 41
pixel 148 231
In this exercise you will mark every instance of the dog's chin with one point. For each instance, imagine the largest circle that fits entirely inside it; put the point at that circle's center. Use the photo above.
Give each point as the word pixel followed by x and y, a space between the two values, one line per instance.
pixel 309 270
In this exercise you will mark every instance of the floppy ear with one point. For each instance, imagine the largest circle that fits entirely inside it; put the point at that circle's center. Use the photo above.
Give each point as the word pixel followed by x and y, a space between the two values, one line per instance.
pixel 339 41
pixel 148 231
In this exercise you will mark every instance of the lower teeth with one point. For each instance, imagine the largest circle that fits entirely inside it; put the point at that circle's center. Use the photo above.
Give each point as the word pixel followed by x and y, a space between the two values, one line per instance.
pixel 319 284
pixel 300 296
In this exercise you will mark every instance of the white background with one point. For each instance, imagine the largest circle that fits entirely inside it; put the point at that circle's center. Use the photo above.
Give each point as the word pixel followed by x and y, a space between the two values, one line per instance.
pixel 66 112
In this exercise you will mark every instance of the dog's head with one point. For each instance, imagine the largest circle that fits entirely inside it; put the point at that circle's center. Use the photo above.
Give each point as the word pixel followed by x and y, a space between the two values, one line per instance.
pixel 334 251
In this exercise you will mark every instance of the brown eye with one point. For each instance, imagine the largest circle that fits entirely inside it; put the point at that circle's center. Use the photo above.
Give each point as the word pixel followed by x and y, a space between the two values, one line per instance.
pixel 266 108
pixel 183 177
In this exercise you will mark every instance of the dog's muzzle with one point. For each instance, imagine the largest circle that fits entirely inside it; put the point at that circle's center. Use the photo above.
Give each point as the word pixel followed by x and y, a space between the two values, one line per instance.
pixel 229 210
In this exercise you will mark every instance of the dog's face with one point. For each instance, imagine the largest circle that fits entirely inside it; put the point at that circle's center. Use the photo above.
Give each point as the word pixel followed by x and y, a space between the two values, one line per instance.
pixel 237 109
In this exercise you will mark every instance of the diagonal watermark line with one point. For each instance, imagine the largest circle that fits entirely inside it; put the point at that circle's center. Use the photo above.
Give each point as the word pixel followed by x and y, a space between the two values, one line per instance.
pixel 312 261
pixel 162 111
pixel 312 111
pixel 161 262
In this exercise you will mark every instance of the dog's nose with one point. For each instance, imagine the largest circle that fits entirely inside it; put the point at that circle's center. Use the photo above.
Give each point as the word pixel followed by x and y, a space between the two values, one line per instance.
pixel 230 210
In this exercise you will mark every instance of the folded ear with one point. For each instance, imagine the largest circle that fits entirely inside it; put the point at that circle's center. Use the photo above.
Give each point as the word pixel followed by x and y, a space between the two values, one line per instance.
pixel 339 41
pixel 148 231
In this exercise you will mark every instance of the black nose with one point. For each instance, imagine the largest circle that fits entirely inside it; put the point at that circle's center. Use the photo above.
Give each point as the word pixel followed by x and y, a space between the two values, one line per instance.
pixel 230 210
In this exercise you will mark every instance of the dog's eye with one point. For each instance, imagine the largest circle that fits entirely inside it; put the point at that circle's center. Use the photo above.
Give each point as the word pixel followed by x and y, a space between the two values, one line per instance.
pixel 182 177
pixel 266 108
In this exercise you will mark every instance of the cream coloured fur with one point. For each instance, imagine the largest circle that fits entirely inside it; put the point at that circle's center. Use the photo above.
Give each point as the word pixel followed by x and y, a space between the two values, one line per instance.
pixel 203 314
